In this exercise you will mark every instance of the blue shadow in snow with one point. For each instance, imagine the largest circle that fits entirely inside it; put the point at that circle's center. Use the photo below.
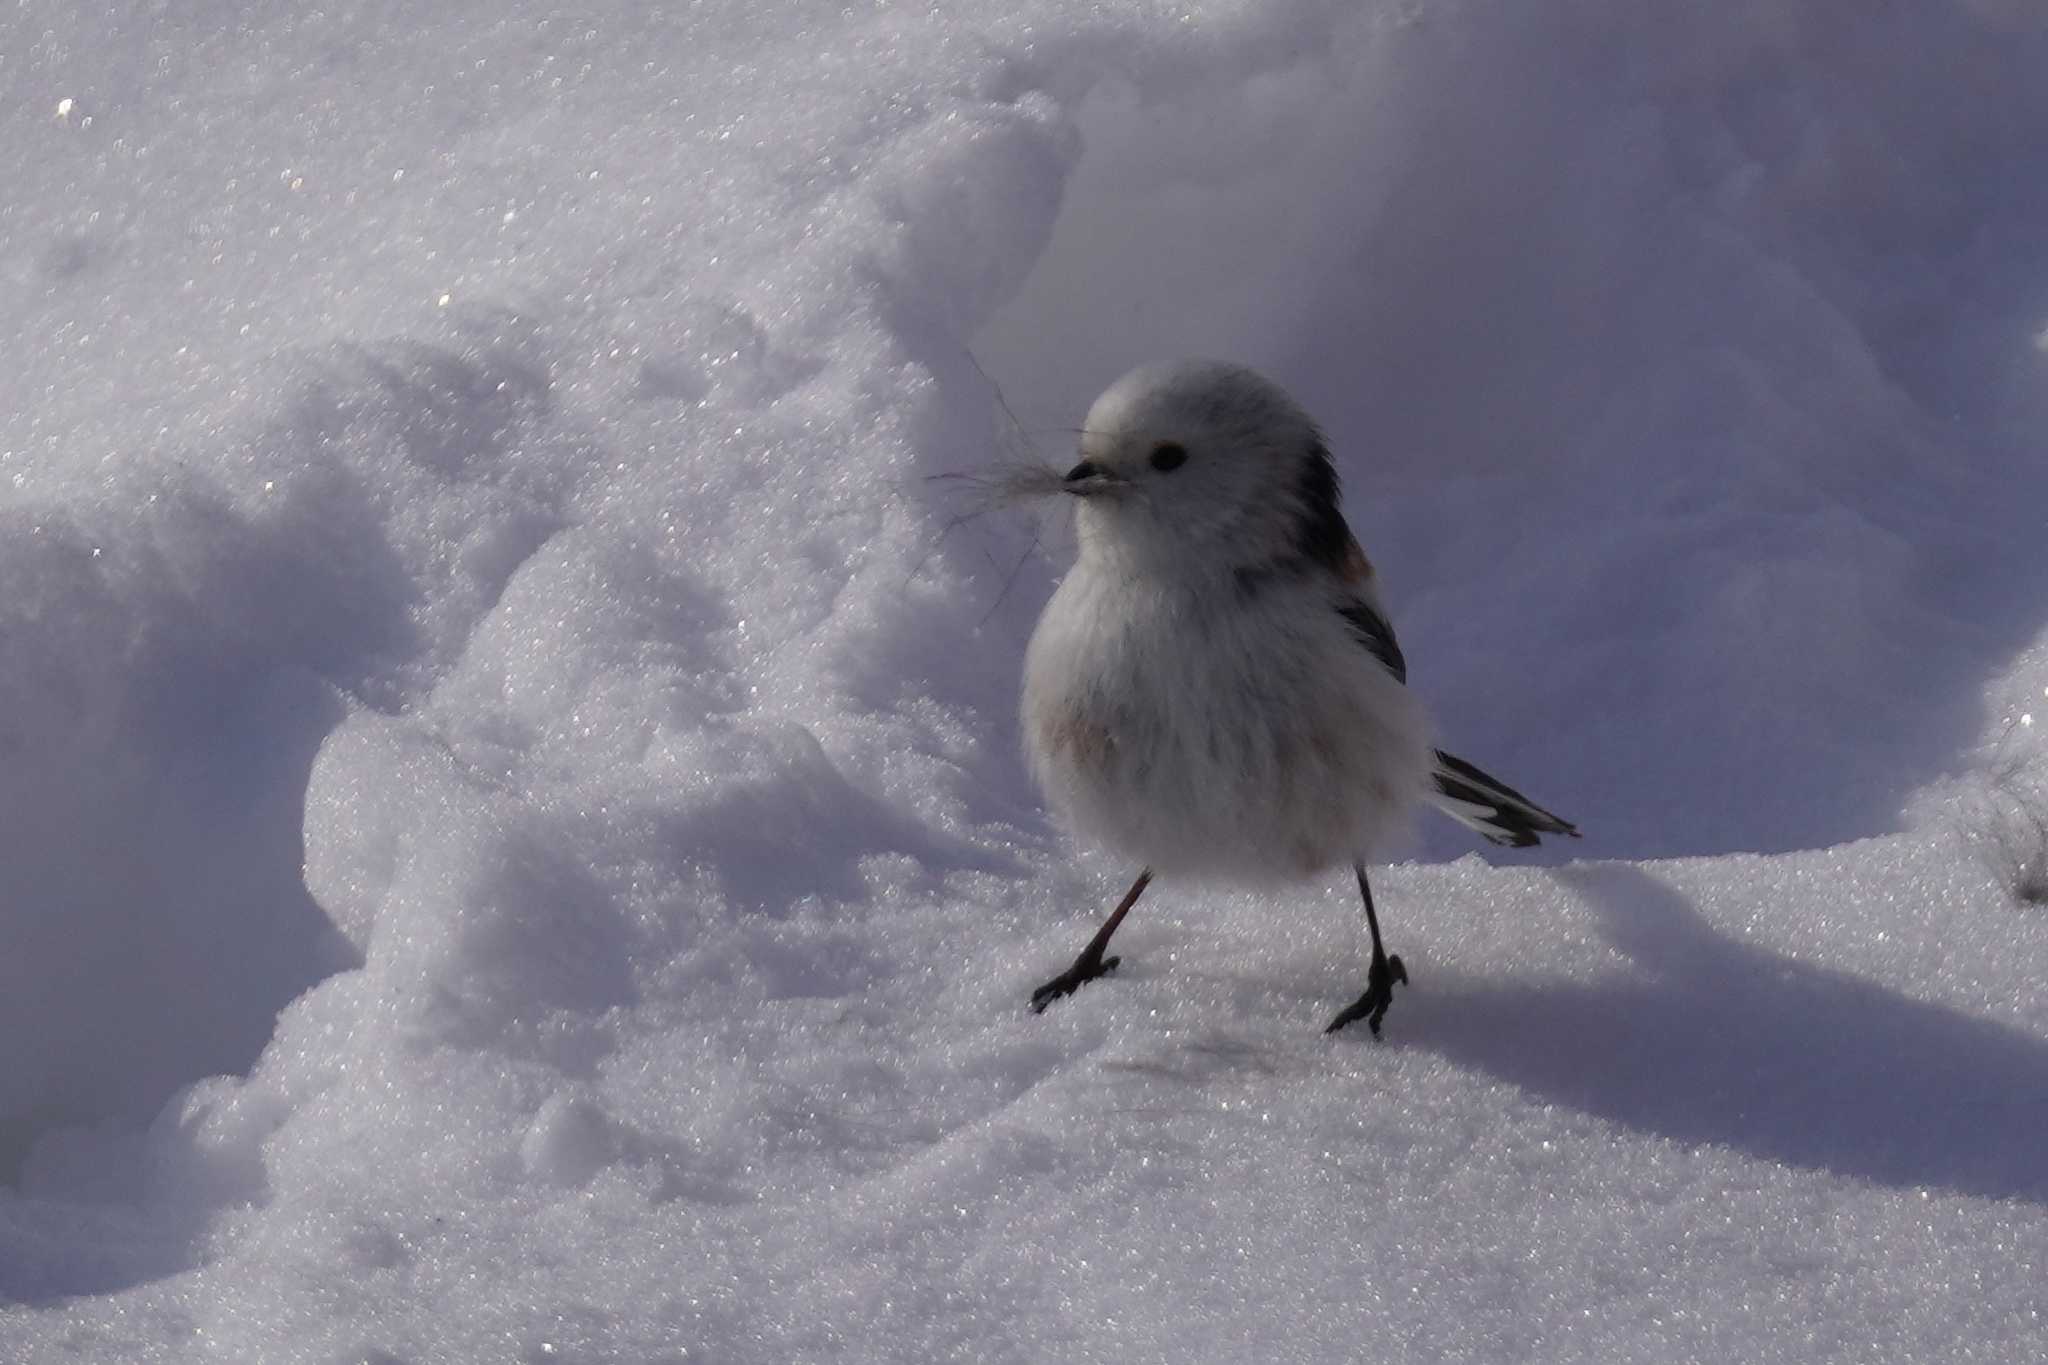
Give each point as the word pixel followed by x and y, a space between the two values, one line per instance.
pixel 1724 1043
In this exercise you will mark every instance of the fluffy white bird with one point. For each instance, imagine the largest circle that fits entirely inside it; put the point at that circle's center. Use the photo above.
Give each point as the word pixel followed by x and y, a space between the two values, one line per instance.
pixel 1214 690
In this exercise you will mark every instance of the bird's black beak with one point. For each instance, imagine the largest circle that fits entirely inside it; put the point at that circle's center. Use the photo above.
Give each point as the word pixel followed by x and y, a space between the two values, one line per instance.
pixel 1087 479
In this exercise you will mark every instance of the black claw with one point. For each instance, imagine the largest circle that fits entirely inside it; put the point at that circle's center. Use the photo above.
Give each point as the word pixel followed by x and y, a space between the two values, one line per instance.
pixel 1379 993
pixel 1084 970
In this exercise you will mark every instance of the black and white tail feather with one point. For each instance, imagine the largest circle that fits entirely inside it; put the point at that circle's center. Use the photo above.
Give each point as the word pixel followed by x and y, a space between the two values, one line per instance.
pixel 1490 807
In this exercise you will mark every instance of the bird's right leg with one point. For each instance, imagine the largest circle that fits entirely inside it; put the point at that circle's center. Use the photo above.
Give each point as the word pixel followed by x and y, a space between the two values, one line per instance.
pixel 1091 963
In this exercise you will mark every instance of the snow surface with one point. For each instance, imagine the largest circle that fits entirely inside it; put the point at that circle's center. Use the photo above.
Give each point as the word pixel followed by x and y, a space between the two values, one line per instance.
pixel 517 849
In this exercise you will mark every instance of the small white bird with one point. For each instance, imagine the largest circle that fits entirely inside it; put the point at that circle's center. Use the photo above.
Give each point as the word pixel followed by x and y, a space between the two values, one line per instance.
pixel 1214 690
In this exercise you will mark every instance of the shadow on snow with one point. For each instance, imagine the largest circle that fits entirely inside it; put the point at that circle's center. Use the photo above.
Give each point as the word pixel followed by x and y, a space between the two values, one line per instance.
pixel 1724 1043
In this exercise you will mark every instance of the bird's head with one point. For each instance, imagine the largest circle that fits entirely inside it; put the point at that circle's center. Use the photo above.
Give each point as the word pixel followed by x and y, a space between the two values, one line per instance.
pixel 1191 465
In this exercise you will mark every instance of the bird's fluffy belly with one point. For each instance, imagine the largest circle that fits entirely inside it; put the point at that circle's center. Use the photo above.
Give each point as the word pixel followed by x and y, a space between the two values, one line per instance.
pixel 1257 744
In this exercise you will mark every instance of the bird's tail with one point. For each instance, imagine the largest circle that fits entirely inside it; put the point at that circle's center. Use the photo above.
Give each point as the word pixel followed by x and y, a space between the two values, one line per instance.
pixel 1491 807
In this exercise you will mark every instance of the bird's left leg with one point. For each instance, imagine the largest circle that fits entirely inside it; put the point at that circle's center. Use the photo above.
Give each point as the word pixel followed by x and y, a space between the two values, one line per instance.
pixel 1379 978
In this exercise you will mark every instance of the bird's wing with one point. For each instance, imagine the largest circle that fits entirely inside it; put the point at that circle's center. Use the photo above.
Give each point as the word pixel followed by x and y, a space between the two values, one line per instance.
pixel 1370 629
pixel 1361 612
pixel 1475 799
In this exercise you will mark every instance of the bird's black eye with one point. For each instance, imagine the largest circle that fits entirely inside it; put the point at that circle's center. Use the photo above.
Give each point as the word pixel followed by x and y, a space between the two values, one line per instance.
pixel 1169 455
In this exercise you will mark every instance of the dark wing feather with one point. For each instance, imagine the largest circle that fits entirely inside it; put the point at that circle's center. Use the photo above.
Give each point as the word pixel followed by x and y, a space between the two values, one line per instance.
pixel 1326 541
pixel 1370 629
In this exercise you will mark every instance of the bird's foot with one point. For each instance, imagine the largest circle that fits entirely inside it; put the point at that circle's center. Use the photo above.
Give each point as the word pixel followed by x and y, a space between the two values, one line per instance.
pixel 1086 968
pixel 1379 993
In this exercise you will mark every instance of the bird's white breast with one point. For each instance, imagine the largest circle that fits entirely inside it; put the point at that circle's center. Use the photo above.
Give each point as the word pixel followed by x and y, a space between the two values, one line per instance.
pixel 1230 733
